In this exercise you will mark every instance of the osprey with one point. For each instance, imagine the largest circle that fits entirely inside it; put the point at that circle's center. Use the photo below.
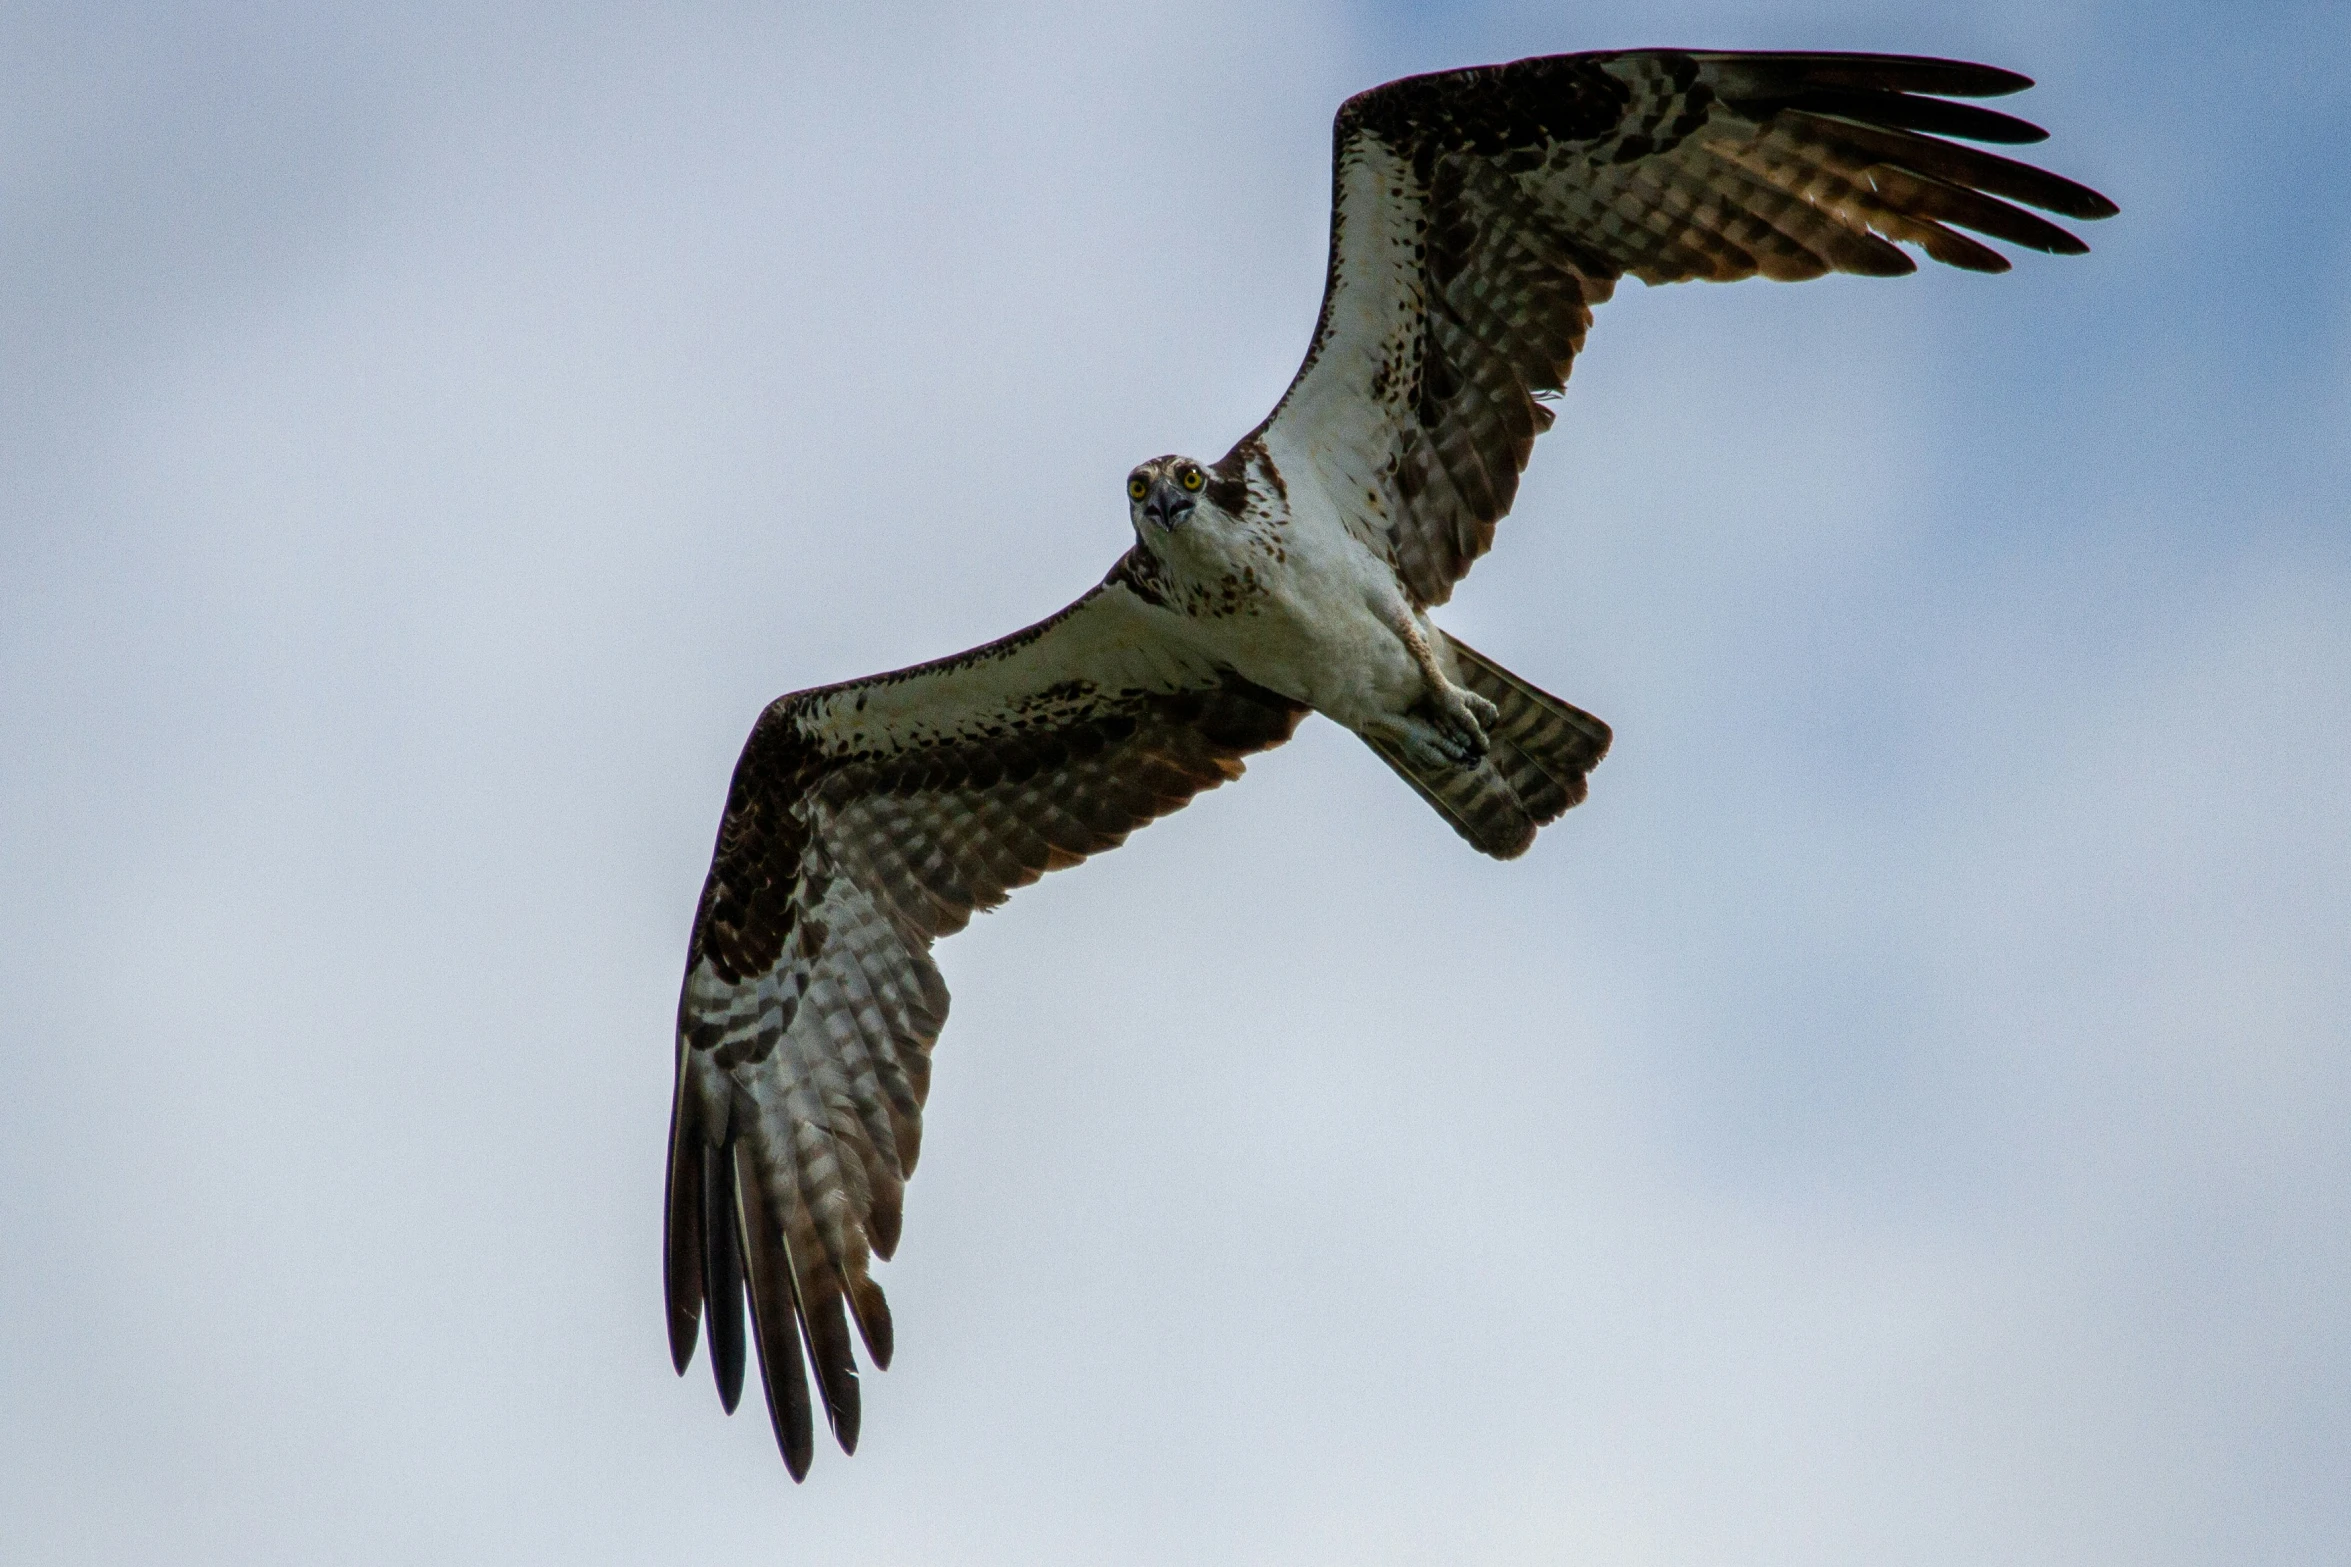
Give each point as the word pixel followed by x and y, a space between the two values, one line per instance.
pixel 1477 216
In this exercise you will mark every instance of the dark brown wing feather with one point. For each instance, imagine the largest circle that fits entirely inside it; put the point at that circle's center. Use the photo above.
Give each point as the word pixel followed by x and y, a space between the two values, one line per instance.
pixel 1479 215
pixel 865 822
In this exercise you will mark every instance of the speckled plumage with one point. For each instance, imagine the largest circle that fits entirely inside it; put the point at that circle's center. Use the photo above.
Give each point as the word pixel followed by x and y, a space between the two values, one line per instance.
pixel 1477 218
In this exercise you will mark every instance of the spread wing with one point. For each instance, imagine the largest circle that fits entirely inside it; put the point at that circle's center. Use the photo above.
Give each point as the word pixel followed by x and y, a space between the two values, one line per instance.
pixel 1477 216
pixel 865 821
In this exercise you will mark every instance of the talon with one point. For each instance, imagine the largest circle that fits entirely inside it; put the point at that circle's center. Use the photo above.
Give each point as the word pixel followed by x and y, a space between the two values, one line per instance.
pixel 1460 726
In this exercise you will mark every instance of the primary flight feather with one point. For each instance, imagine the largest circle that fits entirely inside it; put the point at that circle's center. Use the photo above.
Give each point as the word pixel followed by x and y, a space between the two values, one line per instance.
pixel 1477 216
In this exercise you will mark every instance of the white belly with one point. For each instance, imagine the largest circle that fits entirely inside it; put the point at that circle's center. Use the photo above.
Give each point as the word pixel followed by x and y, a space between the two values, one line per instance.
pixel 1305 609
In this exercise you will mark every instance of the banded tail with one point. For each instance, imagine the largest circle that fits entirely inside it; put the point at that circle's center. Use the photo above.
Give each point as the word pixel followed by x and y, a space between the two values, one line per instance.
pixel 1540 750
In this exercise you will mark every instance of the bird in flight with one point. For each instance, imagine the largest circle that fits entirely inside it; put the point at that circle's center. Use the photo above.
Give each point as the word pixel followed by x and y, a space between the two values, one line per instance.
pixel 1477 217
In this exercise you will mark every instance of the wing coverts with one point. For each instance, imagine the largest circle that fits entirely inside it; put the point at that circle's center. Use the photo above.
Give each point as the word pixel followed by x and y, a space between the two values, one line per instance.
pixel 1478 216
pixel 811 1002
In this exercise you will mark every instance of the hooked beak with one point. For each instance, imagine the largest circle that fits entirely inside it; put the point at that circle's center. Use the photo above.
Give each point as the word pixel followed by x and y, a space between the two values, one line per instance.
pixel 1167 505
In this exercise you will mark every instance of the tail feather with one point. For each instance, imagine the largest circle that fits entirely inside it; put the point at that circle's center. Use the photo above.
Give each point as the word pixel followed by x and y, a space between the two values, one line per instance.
pixel 1539 751
pixel 1476 799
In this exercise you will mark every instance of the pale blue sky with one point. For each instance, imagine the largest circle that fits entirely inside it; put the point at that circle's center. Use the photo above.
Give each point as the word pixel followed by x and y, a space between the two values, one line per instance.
pixel 1904 1117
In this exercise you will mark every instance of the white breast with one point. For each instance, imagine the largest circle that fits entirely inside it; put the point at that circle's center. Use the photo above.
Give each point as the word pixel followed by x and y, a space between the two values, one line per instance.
pixel 1296 602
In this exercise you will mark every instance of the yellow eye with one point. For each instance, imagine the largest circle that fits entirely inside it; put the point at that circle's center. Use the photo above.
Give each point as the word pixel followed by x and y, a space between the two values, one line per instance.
pixel 1138 486
pixel 1194 478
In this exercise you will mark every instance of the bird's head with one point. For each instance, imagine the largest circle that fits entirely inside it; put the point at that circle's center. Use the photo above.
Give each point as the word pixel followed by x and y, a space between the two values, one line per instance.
pixel 1161 496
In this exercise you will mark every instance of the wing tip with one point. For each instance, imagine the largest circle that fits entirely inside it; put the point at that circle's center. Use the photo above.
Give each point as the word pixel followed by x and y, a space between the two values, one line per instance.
pixel 775 1312
pixel 722 1275
pixel 872 1311
pixel 1929 74
pixel 681 1226
pixel 684 1339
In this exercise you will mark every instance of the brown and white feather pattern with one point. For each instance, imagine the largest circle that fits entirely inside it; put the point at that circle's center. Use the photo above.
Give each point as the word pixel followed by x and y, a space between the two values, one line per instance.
pixel 864 822
pixel 1479 215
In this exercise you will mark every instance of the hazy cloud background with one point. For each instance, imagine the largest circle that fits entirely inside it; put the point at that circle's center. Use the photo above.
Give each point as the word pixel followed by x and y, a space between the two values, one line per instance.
pixel 1903 1118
